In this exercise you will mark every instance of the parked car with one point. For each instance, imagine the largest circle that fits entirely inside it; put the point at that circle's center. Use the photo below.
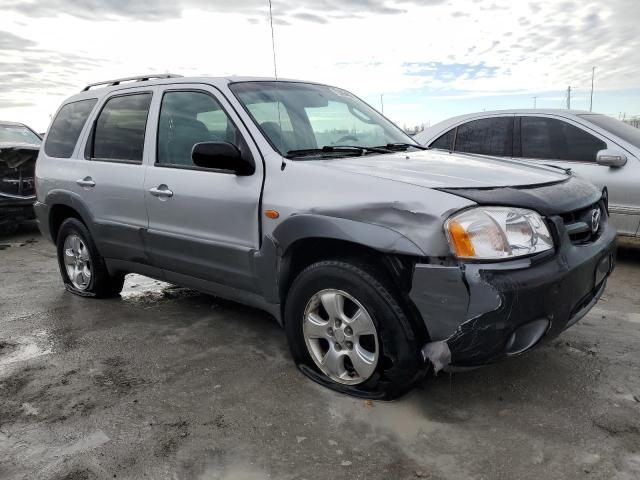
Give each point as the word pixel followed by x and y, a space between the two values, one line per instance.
pixel 597 147
pixel 377 257
pixel 19 146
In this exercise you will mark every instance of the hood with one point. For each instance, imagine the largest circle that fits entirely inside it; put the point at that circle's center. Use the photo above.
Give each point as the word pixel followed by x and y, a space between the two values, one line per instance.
pixel 437 169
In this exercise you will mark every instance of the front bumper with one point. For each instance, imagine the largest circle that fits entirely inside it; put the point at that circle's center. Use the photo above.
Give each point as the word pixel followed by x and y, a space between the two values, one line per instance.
pixel 15 209
pixel 477 313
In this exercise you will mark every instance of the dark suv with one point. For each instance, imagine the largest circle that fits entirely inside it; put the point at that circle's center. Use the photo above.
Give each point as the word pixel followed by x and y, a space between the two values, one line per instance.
pixel 19 146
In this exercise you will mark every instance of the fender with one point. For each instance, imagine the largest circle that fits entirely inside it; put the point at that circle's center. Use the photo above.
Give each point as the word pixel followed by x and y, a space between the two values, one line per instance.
pixel 268 260
pixel 71 200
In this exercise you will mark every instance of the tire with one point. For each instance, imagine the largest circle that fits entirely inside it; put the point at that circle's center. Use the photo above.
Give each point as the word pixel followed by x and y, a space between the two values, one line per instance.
pixel 398 364
pixel 97 280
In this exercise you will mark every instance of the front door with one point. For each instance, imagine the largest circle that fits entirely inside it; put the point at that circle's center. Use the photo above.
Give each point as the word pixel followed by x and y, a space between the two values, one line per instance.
pixel 568 145
pixel 203 223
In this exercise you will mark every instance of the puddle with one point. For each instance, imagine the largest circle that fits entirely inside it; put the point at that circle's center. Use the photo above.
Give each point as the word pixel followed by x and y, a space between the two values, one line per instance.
pixel 25 348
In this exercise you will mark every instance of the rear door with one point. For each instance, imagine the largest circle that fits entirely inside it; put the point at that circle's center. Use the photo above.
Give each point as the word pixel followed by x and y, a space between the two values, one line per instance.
pixel 568 144
pixel 484 136
pixel 203 223
pixel 114 184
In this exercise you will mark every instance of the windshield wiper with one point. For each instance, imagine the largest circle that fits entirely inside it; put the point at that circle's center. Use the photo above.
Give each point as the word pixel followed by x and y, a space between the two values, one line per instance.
pixel 331 149
pixel 402 146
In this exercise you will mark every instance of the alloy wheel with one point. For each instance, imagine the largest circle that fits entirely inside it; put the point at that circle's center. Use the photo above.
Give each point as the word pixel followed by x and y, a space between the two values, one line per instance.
pixel 340 337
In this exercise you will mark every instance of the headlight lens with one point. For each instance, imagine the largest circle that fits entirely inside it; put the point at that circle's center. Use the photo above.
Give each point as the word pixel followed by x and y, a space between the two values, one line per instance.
pixel 493 233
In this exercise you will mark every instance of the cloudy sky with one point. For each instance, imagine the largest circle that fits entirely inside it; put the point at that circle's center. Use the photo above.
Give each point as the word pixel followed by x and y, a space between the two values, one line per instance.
pixel 431 59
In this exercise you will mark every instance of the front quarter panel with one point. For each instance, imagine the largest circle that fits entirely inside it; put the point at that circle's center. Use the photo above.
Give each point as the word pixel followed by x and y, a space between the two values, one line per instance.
pixel 387 215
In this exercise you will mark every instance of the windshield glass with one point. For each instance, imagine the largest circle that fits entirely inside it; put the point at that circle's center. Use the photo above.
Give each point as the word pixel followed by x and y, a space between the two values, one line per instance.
pixel 303 116
pixel 18 133
pixel 623 130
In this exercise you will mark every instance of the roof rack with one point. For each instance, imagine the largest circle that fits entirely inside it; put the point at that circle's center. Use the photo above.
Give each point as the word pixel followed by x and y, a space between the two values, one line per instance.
pixel 140 78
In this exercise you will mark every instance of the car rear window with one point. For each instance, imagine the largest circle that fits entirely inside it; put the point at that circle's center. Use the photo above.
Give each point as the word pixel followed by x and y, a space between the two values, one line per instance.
pixel 445 142
pixel 66 127
pixel 487 136
pixel 120 128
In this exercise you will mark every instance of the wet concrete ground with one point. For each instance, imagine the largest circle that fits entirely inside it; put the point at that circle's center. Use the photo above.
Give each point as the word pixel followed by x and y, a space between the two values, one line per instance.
pixel 170 383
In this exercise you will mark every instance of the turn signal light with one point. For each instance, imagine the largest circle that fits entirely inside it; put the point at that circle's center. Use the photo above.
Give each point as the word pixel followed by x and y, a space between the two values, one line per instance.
pixel 460 240
pixel 271 214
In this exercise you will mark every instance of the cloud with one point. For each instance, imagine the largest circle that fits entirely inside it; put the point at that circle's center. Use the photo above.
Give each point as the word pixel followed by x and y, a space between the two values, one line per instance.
pixel 166 9
pixel 418 48
pixel 309 17
pixel 9 41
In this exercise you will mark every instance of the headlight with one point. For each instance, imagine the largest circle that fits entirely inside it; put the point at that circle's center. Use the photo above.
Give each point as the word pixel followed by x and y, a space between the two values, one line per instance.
pixel 493 233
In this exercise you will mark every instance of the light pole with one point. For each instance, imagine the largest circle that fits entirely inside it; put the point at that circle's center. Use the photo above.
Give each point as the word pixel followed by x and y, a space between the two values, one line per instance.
pixel 593 74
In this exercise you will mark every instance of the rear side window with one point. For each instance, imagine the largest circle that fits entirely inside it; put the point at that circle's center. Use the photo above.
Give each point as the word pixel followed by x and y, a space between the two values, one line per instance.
pixel 445 142
pixel 487 136
pixel 554 139
pixel 120 128
pixel 66 127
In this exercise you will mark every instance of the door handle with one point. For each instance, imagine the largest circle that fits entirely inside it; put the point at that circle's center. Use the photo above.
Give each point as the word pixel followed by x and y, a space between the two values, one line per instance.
pixel 161 191
pixel 86 182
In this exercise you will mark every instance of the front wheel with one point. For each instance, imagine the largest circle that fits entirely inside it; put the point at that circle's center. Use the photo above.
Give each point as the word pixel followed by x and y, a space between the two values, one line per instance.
pixel 347 331
pixel 82 268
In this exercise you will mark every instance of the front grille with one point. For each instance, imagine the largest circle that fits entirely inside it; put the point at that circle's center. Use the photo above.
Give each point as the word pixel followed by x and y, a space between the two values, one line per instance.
pixel 580 223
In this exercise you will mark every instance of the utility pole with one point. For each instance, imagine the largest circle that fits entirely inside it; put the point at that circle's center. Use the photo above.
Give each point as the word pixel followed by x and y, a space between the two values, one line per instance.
pixel 535 102
pixel 569 98
pixel 382 103
pixel 593 74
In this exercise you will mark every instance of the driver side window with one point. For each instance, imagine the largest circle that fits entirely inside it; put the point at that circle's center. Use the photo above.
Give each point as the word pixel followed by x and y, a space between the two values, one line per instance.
pixel 187 118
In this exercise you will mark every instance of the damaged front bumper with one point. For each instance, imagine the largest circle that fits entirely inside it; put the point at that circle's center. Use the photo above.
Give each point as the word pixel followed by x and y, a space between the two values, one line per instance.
pixel 477 313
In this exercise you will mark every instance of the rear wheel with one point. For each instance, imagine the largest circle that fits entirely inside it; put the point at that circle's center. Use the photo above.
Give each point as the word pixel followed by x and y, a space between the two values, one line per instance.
pixel 347 331
pixel 82 268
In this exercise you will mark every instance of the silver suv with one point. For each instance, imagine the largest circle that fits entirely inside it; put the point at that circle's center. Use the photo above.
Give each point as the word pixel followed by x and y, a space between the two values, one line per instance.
pixel 378 258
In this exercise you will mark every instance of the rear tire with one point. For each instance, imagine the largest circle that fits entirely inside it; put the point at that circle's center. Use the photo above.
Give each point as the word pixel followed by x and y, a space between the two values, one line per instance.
pixel 82 268
pixel 343 355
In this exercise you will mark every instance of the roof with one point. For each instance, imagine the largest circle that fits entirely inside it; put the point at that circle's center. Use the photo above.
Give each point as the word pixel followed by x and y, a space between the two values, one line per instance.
pixel 440 127
pixel 100 89
pixel 160 79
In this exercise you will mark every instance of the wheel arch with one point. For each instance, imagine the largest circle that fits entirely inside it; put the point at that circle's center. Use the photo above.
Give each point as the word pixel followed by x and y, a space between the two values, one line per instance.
pixel 63 205
pixel 303 240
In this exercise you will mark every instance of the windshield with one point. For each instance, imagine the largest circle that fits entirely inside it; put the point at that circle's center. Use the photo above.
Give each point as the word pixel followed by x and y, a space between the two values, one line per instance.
pixel 302 117
pixel 18 133
pixel 623 130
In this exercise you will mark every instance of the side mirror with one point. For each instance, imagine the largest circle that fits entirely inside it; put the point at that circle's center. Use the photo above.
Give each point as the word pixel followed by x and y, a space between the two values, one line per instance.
pixel 222 156
pixel 610 157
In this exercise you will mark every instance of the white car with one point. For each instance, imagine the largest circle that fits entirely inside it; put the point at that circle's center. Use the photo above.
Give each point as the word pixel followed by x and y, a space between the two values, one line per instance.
pixel 597 147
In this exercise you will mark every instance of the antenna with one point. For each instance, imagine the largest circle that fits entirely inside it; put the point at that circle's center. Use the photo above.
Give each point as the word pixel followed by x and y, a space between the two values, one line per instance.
pixel 535 101
pixel 275 74
pixel 273 43
pixel 569 98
